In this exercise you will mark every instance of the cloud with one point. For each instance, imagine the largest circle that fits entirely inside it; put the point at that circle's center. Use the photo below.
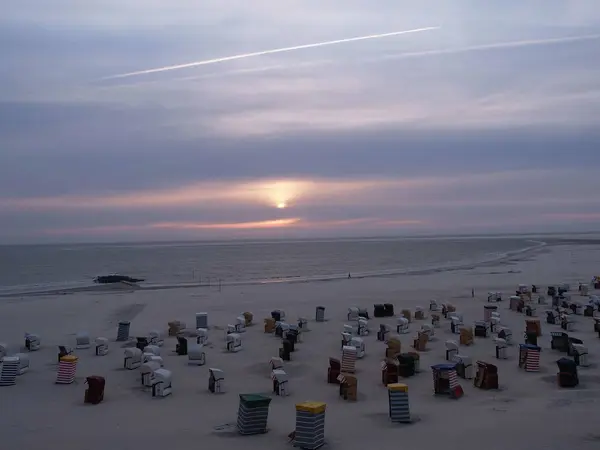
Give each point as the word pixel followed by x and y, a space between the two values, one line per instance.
pixel 314 206
pixel 488 122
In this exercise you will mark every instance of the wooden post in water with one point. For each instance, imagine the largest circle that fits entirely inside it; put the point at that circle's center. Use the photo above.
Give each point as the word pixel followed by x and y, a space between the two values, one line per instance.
pixel 219 285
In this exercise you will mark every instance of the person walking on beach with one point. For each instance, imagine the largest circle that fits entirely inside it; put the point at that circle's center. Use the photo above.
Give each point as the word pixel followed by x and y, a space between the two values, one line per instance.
pixel 349 276
pixel 472 292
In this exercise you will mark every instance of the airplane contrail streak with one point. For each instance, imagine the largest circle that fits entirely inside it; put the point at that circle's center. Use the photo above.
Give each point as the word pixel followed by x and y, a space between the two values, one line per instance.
pixel 494 46
pixel 266 52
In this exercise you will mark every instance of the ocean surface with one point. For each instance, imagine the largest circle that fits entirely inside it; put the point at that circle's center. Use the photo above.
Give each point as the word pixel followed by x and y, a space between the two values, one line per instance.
pixel 46 268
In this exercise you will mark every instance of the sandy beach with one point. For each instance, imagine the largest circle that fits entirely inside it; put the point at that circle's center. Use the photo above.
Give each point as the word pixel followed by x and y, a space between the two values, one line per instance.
pixel 528 410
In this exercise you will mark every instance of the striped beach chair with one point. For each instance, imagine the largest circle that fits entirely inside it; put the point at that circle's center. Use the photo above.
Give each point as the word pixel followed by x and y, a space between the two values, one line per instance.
pixel 349 359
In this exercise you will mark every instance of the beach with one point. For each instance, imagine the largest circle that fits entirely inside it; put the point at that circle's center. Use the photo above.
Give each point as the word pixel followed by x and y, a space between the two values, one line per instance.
pixel 528 410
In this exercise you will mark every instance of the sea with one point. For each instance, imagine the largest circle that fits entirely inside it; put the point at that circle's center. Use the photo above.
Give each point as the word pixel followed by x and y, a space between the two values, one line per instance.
pixel 51 268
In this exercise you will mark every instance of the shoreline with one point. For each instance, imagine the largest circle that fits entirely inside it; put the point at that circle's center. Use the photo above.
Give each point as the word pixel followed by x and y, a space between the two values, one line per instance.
pixel 514 255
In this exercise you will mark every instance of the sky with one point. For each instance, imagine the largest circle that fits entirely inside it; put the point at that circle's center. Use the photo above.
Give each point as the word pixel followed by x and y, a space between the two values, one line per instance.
pixel 143 119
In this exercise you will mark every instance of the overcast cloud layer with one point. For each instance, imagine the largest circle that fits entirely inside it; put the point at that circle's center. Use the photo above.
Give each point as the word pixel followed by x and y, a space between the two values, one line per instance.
pixel 489 123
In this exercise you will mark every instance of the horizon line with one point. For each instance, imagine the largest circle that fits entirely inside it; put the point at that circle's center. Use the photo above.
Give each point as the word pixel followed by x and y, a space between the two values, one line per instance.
pixel 268 240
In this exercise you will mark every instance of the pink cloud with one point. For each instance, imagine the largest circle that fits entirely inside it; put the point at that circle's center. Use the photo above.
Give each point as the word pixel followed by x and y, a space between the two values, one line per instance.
pixel 286 223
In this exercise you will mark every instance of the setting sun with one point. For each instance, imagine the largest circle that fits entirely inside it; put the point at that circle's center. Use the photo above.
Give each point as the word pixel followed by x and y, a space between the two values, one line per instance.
pixel 281 205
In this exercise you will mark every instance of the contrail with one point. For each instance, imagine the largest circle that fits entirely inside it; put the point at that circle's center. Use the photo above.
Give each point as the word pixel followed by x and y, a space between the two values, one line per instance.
pixel 265 52
pixel 494 46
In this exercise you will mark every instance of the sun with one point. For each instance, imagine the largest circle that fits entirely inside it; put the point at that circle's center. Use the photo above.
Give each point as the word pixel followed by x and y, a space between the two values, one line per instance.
pixel 281 205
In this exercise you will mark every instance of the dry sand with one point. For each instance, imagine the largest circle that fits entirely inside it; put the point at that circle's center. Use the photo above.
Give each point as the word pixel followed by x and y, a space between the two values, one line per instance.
pixel 529 409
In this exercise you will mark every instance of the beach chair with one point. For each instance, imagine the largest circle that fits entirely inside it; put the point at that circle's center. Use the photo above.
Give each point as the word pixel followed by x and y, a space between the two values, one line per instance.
pixel 567 373
pixel 566 322
pixel 161 383
pixel 495 322
pixel 346 337
pixel 389 309
pixel 531 337
pixel 303 324
pixel 420 341
pixel 280 382
pixel 486 376
pixel 285 352
pixel 67 368
pixel 23 363
pixel 487 312
pixel 390 370
pixel 9 371
pixel 201 336
pixel 132 358
pixel 466 336
pixel 445 381
pixel 363 327
pixel 275 363
pixel 362 312
pixel 407 364
pixel 82 340
pixel 334 369
pixel 348 387
pixel 402 325
pixel 455 324
pixel 464 366
pixel 451 349
pixel 201 320
pixel 320 314
pixel 428 330
pixel 394 347
pixel 419 313
pixel 233 343
pixel 181 348
pixel 240 324
pixel 94 394
pixel 501 348
pixel 64 351
pixel 101 346
pixel 383 332
pixel 196 355
pixel 560 341
pixel 155 338
pixel 506 334
pixel 32 342
pixel 580 355
pixel 350 329
pixel 349 355
pixel 293 334
pixel 481 329
pixel 378 310
pixel 147 372
pixel 359 344
pixel 529 357
pixel 123 331
pixel 278 315
pixel 175 327
pixel 570 348
pixel 269 325
pixel 141 342
pixel 534 326
pixel 216 380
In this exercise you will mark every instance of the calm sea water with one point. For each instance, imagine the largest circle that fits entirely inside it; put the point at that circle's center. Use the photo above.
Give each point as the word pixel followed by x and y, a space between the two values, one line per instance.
pixel 25 268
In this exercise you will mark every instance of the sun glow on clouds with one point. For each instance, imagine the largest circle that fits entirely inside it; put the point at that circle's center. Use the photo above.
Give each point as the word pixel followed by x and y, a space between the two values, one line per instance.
pixel 274 193
pixel 288 223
